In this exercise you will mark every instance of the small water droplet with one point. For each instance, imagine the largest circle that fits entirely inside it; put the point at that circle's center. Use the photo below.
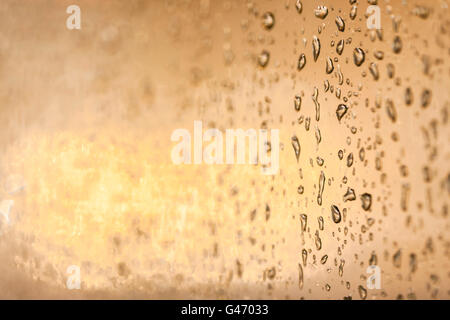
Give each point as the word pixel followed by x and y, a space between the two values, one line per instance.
pixel 263 58
pixel 340 47
pixel 268 20
pixel 340 23
pixel 350 159
pixel 296 146
pixel 297 102
pixel 374 71
pixel 321 12
pixel 408 96
pixel 301 62
pixel 304 257
pixel 397 45
pixel 390 70
pixel 300 276
pixel 391 111
pixel 315 97
pixel 299 6
pixel 341 111
pixel 349 195
pixel 366 200
pixel 303 221
pixel 358 56
pixel 329 68
pixel 353 12
pixel 362 292
pixel 316 47
pixel 321 187
pixel 425 98
pixel 335 214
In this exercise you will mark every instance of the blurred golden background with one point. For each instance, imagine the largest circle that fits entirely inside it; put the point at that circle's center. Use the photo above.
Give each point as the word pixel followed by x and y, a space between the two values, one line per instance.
pixel 87 117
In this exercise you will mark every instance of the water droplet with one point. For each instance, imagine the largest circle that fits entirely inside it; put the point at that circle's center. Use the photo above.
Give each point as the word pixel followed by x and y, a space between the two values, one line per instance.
pixel 349 195
pixel 321 187
pixel 397 45
pixel 299 6
pixel 373 261
pixel 421 12
pixel 341 111
pixel 362 292
pixel 353 12
pixel 296 146
pixel 366 200
pixel 326 85
pixel 320 161
pixel 374 71
pixel 268 20
pixel 304 257
pixel 413 262
pixel 303 221
pixel 263 58
pixel 300 189
pixel 300 276
pixel 341 268
pixel 350 159
pixel 335 214
pixel 390 70
pixel 316 47
pixel 391 111
pixel 318 135
pixel 340 23
pixel 321 223
pixel 321 12
pixel 329 68
pixel 358 56
pixel 426 98
pixel 301 62
pixel 379 55
pixel 297 102
pixel 324 259
pixel 340 47
pixel 397 259
pixel 318 241
pixel 408 96
pixel 315 97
